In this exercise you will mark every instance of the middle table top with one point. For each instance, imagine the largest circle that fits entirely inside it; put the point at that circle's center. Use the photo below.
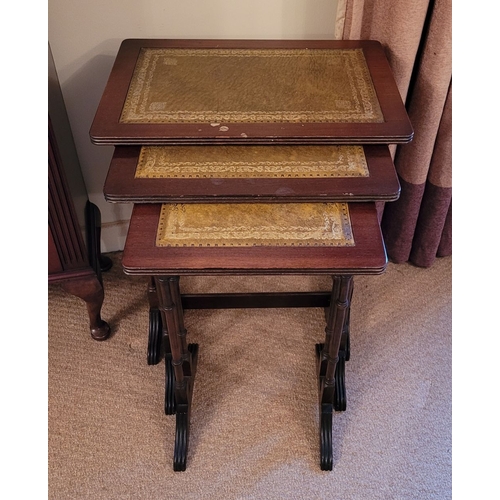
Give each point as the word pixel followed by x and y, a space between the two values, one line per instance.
pixel 280 173
pixel 250 92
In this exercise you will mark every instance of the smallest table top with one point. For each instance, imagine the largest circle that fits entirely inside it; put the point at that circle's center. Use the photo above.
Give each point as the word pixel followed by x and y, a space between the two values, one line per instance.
pixel 218 239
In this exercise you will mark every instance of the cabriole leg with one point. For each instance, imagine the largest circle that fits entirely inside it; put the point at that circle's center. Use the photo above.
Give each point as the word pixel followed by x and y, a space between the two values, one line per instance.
pixel 89 288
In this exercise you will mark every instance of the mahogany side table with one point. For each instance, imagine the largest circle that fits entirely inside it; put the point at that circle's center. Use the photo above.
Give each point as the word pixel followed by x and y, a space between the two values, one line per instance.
pixel 207 243
pixel 250 157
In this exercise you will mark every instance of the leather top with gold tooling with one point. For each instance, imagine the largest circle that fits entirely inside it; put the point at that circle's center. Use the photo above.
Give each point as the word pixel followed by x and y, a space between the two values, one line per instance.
pixel 164 92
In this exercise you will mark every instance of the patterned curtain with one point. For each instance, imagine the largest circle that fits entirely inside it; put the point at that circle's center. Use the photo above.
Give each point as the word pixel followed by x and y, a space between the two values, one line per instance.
pixel 416 35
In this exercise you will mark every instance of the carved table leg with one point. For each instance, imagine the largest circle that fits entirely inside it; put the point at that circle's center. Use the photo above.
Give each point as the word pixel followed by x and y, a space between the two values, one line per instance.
pixel 184 358
pixel 340 397
pixel 330 371
pixel 90 289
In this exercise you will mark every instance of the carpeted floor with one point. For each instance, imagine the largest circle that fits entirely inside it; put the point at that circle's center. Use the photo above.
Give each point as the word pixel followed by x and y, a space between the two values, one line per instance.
pixel 254 424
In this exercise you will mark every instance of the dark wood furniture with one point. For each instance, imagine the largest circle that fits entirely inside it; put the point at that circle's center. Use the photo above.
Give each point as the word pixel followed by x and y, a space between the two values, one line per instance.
pixel 143 256
pixel 74 255
pixel 169 174
pixel 251 157
pixel 74 264
pixel 250 92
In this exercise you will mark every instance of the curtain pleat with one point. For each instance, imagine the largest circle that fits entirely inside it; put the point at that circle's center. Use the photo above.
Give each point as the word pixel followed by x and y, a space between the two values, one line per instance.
pixel 431 210
pixel 396 24
pixel 399 221
pixel 417 38
pixel 444 248
pixel 430 224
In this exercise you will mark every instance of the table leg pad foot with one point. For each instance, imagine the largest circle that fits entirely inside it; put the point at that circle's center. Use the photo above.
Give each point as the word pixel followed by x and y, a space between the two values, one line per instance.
pixel 100 332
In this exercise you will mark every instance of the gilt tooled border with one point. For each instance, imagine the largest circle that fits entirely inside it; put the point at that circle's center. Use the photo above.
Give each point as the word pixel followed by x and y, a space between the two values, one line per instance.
pixel 333 230
pixel 367 111
pixel 157 162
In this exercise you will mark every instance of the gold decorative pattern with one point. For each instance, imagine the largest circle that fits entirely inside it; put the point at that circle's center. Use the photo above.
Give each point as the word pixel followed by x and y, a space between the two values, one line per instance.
pixel 254 224
pixel 172 162
pixel 251 86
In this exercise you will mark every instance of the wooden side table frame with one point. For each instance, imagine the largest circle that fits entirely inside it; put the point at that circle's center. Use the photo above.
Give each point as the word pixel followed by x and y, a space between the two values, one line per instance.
pixel 167 333
pixel 210 123
pixel 73 263
pixel 181 361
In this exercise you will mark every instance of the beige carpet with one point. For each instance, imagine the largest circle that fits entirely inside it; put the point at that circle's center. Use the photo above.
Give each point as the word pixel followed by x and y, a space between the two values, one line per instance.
pixel 254 425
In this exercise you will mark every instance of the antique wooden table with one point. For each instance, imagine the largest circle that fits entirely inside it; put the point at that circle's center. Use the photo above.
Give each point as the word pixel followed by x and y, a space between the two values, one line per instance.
pixel 250 91
pixel 246 157
pixel 166 241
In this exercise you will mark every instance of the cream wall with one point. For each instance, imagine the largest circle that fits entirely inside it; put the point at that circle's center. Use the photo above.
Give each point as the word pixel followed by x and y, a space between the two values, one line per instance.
pixel 85 37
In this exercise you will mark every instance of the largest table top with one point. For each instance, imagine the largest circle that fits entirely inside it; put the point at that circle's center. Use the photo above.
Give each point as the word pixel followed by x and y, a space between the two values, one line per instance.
pixel 250 91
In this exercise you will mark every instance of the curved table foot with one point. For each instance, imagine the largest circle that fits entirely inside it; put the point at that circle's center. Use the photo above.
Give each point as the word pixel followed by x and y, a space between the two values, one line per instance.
pixel 326 437
pixel 181 441
pixel 169 385
pixel 326 415
pixel 183 416
pixel 340 397
pixel 331 357
pixel 156 353
pixel 155 337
